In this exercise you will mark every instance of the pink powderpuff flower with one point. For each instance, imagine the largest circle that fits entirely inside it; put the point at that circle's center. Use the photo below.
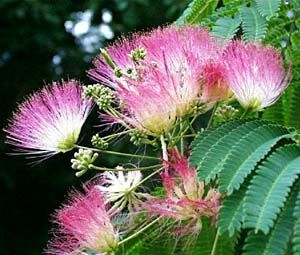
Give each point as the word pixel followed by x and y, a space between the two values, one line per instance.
pixel 50 120
pixel 185 199
pixel 255 74
pixel 162 76
pixel 84 226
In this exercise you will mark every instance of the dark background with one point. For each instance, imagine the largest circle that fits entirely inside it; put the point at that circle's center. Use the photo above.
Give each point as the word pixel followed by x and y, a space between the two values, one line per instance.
pixel 39 43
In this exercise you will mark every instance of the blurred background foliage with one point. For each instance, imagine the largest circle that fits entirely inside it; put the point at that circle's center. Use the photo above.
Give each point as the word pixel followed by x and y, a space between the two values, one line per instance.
pixel 42 41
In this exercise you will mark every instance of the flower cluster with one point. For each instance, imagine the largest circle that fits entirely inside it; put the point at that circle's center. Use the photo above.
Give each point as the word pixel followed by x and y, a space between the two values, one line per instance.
pixel 151 84
pixel 154 85
pixel 172 76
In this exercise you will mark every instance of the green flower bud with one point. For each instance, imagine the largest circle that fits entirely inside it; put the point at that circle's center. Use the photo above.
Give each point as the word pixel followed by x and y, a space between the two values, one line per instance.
pixel 197 107
pixel 99 143
pixel 102 95
pixel 226 112
pixel 138 54
pixel 82 160
pixel 137 136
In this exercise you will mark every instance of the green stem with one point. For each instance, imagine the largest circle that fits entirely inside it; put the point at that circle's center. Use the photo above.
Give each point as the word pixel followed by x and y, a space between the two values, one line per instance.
pixel 190 135
pixel 145 179
pixel 181 137
pixel 244 114
pixel 164 148
pixel 123 170
pixel 213 251
pixel 117 153
pixel 117 134
pixel 108 59
pixel 139 231
pixel 190 125
pixel 212 115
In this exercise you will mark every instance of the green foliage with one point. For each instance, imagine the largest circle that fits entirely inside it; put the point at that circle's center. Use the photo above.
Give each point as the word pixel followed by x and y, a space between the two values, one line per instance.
pixel 284 30
pixel 296 228
pixel 197 10
pixel 268 8
pixel 204 144
pixel 226 27
pixel 244 155
pixel 286 110
pixel 257 17
pixel 254 25
pixel 276 242
pixel 212 156
pixel 231 212
pixel 270 186
pixel 203 243
pixel 161 239
pixel 227 154
pixel 149 242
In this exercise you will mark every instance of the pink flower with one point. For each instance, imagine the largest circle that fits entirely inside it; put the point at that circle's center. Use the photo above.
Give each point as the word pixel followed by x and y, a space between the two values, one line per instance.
pixel 50 120
pixel 164 77
pixel 185 200
pixel 255 74
pixel 84 226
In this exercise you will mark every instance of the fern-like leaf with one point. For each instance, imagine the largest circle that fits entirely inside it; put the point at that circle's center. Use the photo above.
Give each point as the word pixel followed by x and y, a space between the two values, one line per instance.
pixel 197 10
pixel 204 242
pixel 292 116
pixel 231 212
pixel 277 31
pixel 268 8
pixel 247 153
pixel 269 188
pixel 226 28
pixel 200 146
pixel 296 236
pixel 276 242
pixel 210 155
pixel 275 112
pixel 254 25
pixel 230 9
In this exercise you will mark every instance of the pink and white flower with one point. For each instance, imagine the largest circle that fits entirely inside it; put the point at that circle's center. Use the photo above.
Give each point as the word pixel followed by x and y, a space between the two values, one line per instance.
pixel 84 226
pixel 119 189
pixel 185 195
pixel 50 120
pixel 255 74
pixel 166 82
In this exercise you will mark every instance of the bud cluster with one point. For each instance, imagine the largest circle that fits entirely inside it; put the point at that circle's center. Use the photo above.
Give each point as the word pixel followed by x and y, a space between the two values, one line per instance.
pixel 102 95
pixel 198 107
pixel 226 112
pixel 82 160
pixel 137 137
pixel 99 142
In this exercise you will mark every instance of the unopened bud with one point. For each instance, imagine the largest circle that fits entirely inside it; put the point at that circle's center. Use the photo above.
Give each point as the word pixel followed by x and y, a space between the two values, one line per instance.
pixel 99 142
pixel 82 160
pixel 137 136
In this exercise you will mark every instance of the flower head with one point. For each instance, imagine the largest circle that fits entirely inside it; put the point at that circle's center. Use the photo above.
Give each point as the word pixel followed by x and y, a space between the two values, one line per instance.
pixel 185 195
pixel 161 76
pixel 84 226
pixel 255 74
pixel 50 120
pixel 120 189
